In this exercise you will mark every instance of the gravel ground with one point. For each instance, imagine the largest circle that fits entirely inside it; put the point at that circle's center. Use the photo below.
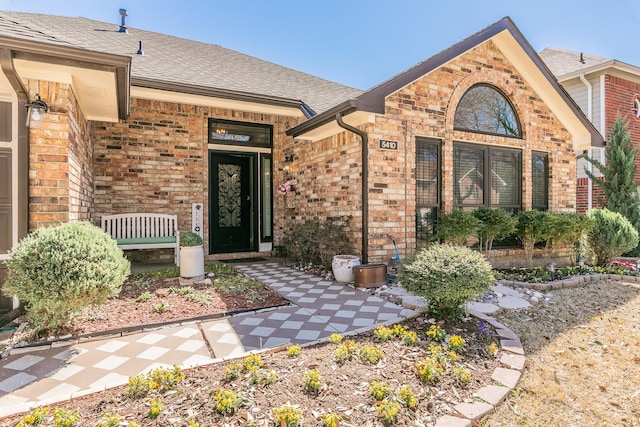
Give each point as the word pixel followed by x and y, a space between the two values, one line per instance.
pixel 583 359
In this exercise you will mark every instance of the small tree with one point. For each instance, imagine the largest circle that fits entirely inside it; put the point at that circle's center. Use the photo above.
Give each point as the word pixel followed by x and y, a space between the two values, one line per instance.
pixel 618 185
pixel 531 229
pixel 495 223
pixel 566 228
pixel 611 236
pixel 455 226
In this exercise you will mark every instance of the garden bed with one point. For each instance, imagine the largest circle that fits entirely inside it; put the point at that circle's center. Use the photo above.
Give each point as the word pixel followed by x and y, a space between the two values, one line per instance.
pixel 344 389
pixel 159 298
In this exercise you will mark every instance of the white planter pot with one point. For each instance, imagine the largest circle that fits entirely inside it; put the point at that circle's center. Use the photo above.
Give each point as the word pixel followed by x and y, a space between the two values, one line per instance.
pixel 191 261
pixel 342 266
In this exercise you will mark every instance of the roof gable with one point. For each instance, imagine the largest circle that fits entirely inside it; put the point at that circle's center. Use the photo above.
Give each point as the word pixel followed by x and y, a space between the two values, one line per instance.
pixel 512 43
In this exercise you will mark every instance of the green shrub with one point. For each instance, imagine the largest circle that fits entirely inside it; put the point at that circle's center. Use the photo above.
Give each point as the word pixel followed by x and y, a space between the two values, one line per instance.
pixel 56 271
pixel 455 226
pixel 495 223
pixel 611 235
pixel 316 242
pixel 531 228
pixel 566 228
pixel 448 276
pixel 190 239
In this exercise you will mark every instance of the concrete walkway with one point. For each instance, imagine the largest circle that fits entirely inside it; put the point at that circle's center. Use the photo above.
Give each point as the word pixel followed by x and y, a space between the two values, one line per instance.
pixel 319 308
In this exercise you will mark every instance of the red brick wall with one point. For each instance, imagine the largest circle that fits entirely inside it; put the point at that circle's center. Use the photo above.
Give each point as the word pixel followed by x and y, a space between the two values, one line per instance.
pixel 81 185
pixel 582 196
pixel 619 97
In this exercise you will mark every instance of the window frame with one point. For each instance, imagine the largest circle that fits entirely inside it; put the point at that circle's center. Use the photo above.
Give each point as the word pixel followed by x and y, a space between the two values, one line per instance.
pixel 488 152
pixel 422 236
pixel 266 198
pixel 543 206
pixel 263 133
pixel 479 131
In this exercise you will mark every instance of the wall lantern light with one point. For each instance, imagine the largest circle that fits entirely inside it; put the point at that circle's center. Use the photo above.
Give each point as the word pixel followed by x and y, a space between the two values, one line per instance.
pixel 35 109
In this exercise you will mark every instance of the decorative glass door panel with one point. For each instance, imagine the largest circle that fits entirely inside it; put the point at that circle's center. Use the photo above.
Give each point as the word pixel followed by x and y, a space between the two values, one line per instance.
pixel 231 226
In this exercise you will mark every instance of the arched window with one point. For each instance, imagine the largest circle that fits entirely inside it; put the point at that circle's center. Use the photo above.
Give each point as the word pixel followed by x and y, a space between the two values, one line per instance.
pixel 485 109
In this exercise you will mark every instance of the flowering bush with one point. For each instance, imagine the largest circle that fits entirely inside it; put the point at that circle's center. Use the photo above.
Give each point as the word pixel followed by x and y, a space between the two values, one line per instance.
pixel 286 187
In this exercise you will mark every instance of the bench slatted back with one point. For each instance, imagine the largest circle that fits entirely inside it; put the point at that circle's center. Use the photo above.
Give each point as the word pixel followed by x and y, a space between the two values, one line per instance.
pixel 137 226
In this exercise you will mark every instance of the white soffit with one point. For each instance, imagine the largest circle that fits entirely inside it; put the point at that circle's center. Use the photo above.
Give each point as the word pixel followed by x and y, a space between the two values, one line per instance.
pixel 538 81
pixel 207 101
pixel 96 90
pixel 354 119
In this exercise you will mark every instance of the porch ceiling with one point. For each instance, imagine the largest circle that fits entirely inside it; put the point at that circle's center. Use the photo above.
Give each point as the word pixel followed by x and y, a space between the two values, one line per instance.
pixel 95 89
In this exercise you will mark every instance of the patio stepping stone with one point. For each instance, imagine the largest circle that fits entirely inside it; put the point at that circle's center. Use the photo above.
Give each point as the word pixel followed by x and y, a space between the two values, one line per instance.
pixel 513 303
pixel 483 307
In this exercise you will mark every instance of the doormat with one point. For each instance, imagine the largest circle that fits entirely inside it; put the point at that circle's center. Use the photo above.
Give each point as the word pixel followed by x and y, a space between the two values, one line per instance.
pixel 241 260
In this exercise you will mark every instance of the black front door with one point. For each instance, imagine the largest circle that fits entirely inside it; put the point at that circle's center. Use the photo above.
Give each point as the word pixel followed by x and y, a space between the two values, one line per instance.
pixel 231 227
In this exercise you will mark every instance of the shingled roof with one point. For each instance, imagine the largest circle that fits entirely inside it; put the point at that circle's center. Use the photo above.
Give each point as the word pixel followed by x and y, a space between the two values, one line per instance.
pixel 175 60
pixel 567 64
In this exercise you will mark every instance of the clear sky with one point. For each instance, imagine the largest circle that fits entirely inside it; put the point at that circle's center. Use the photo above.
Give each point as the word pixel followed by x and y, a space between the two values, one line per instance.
pixel 361 43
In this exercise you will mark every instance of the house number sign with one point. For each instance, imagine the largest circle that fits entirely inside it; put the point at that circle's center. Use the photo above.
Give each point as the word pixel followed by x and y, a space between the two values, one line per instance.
pixel 385 144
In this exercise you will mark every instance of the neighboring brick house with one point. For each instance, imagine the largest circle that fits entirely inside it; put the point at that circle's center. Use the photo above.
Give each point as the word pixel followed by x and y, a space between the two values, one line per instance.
pixel 146 122
pixel 604 89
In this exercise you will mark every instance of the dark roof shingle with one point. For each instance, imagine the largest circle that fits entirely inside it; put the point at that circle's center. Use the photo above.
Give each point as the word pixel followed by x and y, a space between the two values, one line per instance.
pixel 177 60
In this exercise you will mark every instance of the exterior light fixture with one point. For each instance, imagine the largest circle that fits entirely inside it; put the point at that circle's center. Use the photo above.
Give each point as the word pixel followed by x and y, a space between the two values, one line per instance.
pixel 551 268
pixel 35 109
pixel 581 261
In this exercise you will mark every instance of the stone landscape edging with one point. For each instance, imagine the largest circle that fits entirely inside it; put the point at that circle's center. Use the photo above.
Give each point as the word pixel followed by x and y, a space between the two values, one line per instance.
pixel 513 359
pixel 505 378
pixel 569 282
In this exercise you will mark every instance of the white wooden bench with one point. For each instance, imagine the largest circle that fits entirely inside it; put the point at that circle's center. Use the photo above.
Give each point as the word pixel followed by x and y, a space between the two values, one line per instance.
pixel 144 231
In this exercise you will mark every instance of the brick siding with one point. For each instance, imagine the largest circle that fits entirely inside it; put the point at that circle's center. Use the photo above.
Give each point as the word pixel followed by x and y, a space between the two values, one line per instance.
pixel 157 160
pixel 425 108
pixel 60 170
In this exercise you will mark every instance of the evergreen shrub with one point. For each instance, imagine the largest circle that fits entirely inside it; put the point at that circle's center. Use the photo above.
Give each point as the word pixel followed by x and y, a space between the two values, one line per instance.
pixel 447 276
pixel 455 226
pixel 58 270
pixel 611 236
pixel 565 228
pixel 495 223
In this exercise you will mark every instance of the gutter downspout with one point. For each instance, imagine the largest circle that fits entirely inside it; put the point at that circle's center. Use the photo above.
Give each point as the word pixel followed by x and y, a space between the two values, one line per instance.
pixel 22 146
pixel 22 174
pixel 590 152
pixel 365 181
